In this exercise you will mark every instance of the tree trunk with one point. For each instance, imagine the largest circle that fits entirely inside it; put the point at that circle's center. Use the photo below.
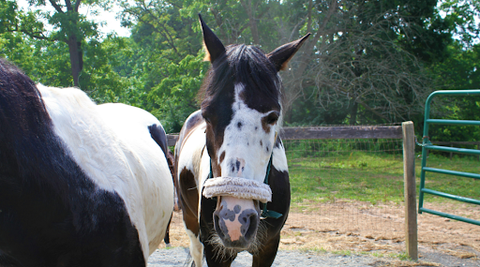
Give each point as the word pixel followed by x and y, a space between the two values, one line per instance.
pixel 353 114
pixel 74 45
pixel 76 58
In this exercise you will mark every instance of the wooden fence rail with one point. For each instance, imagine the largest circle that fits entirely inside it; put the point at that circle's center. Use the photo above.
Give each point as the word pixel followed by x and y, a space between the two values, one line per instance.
pixel 335 132
pixel 341 132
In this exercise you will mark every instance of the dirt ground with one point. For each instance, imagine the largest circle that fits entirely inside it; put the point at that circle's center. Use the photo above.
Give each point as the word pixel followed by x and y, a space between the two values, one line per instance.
pixel 346 227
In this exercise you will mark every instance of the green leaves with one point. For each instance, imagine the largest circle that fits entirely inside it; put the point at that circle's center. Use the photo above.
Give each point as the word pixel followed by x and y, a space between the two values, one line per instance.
pixel 174 98
pixel 367 62
pixel 461 17
pixel 71 23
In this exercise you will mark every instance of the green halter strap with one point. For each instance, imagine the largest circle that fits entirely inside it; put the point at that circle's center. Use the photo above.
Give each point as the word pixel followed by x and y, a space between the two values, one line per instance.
pixel 269 213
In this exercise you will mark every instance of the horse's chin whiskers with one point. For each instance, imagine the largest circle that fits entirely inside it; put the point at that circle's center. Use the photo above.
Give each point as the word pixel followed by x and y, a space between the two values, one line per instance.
pixel 260 237
pixel 221 252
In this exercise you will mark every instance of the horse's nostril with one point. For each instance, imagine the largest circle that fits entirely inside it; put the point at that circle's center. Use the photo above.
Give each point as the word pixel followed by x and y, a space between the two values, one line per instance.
pixel 250 223
pixel 217 226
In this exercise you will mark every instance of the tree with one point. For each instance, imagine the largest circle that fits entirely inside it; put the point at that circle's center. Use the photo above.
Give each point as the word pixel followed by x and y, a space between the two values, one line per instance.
pixel 13 24
pixel 364 60
pixel 69 27
pixel 461 70
pixel 461 17
pixel 167 61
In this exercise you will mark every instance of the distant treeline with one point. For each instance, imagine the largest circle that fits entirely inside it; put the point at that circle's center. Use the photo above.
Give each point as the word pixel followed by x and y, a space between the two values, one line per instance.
pixel 366 63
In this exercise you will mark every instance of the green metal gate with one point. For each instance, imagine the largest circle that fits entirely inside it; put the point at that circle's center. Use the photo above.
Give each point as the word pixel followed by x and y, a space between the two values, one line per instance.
pixel 427 145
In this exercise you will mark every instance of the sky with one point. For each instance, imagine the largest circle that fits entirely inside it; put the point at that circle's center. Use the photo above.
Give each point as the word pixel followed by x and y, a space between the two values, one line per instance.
pixel 112 23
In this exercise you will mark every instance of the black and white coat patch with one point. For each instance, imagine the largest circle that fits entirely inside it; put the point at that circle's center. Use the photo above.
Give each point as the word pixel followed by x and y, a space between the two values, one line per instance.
pixel 80 184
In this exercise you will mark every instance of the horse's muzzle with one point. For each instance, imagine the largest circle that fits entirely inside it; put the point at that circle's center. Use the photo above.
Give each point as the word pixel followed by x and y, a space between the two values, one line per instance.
pixel 236 222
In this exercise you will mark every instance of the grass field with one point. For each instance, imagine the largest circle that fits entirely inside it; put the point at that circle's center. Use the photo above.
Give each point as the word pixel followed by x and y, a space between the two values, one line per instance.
pixel 324 173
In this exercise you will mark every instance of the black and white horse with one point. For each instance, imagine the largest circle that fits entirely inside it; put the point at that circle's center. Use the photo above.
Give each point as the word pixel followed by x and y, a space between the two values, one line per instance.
pixel 231 166
pixel 80 184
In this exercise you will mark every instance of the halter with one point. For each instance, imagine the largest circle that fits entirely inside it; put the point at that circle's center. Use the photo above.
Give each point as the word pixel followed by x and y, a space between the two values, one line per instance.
pixel 269 213
pixel 265 213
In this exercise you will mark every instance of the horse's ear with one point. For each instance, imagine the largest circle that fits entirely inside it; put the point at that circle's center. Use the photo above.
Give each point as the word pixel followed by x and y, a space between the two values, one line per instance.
pixel 281 55
pixel 213 45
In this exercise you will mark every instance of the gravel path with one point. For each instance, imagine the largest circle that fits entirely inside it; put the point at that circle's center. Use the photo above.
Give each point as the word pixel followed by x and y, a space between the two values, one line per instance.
pixel 287 258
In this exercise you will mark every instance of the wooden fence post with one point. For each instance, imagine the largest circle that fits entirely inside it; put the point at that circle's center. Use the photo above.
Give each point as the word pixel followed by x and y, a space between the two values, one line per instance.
pixel 410 190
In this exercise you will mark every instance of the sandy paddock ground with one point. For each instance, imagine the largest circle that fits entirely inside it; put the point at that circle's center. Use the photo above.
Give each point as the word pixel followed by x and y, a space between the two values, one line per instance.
pixel 355 227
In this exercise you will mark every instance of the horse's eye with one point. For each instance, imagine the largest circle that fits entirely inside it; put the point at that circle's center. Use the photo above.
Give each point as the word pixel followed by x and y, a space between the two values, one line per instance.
pixel 272 118
pixel 206 118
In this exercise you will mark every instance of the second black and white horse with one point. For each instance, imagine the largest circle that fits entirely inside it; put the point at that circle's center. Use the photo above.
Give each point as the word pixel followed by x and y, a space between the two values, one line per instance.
pixel 80 184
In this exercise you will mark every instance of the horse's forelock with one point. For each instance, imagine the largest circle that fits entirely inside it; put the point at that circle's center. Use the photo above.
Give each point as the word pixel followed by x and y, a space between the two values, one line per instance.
pixel 244 64
pixel 259 77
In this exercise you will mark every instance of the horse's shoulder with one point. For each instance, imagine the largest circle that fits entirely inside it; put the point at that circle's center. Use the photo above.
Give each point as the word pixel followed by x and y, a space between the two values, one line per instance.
pixel 190 146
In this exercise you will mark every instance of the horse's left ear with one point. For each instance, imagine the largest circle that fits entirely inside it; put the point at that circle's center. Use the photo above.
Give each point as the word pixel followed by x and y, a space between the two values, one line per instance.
pixel 281 55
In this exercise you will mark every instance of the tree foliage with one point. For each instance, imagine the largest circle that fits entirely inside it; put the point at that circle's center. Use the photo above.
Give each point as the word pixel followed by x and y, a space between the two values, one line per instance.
pixel 367 62
pixel 367 66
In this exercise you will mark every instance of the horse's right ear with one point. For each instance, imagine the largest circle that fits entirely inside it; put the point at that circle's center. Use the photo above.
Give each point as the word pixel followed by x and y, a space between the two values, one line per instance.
pixel 213 45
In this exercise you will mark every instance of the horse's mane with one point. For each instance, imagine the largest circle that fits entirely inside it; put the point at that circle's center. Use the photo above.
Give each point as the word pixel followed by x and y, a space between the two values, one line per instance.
pixel 244 64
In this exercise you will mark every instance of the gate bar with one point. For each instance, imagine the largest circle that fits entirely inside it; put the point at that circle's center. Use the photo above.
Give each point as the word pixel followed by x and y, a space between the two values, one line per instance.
pixel 451 216
pixel 454 149
pixel 450 196
pixel 453 122
pixel 450 172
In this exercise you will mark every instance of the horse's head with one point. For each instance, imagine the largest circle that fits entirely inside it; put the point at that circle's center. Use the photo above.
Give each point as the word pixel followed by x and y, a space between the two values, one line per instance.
pixel 243 112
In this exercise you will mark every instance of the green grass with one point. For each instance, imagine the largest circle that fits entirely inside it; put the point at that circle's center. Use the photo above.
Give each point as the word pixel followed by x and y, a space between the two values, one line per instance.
pixel 371 177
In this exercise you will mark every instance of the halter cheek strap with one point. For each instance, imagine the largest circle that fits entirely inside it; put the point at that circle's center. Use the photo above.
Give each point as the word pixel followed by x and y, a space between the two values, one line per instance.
pixel 269 213
pixel 242 188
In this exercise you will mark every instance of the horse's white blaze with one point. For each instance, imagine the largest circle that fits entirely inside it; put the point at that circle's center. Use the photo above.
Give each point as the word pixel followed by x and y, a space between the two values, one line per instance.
pixel 99 139
pixel 246 141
